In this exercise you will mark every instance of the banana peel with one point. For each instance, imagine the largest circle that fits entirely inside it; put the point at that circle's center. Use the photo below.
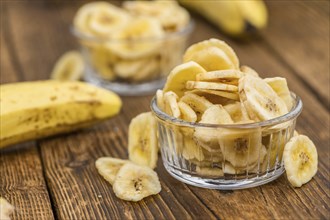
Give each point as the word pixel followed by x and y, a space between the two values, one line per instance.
pixel 237 18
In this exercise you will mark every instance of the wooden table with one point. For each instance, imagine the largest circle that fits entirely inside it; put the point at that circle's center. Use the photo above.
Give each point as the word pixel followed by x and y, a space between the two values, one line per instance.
pixel 55 178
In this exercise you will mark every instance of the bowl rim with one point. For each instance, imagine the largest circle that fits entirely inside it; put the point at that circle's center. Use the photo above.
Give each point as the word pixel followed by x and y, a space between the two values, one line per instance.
pixel 182 32
pixel 292 114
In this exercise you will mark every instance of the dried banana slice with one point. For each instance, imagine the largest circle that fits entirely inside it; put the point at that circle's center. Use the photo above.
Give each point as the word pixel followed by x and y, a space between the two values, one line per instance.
pixel 134 182
pixel 137 70
pixel 70 66
pixel 280 86
pixel 259 99
pixel 129 42
pixel 108 167
pixel 160 99
pixel 142 140
pixel 126 69
pixel 171 104
pixel 198 103
pixel 209 171
pixel 208 137
pixel 191 150
pixel 249 71
pixel 168 13
pixel 225 76
pixel 212 55
pixel 300 160
pixel 211 86
pixel 237 112
pixel 100 19
pixel 217 94
pixel 6 209
pixel 187 113
pixel 176 81
pixel 240 147
pixel 150 71
pixel 102 60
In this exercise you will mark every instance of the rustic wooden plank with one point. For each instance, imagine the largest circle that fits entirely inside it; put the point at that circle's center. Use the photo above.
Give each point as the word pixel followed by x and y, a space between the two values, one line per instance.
pixel 22 182
pixel 298 33
pixel 78 192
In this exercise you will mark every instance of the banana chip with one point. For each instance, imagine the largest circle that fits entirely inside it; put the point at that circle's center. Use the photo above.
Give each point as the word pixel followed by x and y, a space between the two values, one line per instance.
pixel 108 167
pixel 142 140
pixel 70 66
pixel 300 160
pixel 133 182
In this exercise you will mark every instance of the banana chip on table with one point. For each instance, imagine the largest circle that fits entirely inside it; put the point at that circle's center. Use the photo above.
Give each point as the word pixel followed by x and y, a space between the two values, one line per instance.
pixel 142 140
pixel 70 66
pixel 134 182
pixel 108 167
pixel 300 160
pixel 6 209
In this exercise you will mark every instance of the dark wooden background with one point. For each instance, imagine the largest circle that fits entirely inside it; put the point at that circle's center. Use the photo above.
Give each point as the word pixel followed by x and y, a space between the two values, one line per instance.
pixel 55 178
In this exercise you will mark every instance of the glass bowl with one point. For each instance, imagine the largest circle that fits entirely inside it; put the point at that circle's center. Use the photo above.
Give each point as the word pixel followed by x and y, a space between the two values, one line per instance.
pixel 132 67
pixel 225 157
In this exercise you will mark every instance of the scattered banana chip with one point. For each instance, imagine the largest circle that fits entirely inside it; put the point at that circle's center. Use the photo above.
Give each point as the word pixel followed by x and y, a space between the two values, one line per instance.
pixel 6 209
pixel 142 140
pixel 300 160
pixel 108 167
pixel 70 66
pixel 133 182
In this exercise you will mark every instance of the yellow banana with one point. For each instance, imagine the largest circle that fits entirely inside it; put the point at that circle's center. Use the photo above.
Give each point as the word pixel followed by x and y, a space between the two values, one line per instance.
pixel 31 110
pixel 236 18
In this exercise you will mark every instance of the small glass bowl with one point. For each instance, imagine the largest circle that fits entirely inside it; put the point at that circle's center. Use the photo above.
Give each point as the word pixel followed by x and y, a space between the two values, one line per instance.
pixel 225 157
pixel 119 66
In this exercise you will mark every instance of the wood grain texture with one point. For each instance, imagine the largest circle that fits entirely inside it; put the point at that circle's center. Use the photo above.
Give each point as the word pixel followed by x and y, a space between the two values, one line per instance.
pixel 21 175
pixel 76 189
